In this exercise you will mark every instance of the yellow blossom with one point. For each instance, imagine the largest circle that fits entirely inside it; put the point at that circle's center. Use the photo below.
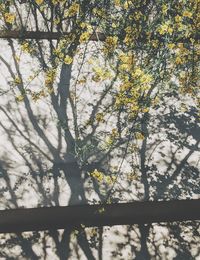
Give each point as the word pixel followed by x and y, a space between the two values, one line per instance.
pixel 178 18
pixel 128 29
pixel 155 43
pixel 17 58
pixel 114 25
pixel 187 14
pixel 83 25
pixel 84 37
pixel 9 17
pixel 17 80
pixel 111 41
pixel 100 117
pixel 100 74
pixel 97 175
pixel 137 15
pixel 19 98
pixel 165 28
pixel 127 4
pixel 114 133
pixel 87 26
pixel 139 136
pixel 146 78
pixel 109 141
pixel 164 9
pixel 25 46
pixel 170 45
pixel 138 72
pixel 68 59
pixel 73 10
pixel 178 60
pixel 126 58
pixel 50 77
pixel 145 110
pixel 82 80
pixel 132 176
pixel 110 179
pixel 57 20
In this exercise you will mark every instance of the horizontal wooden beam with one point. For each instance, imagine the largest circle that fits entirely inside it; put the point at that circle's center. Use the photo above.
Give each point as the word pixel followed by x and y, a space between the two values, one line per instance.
pixel 35 219
pixel 39 35
pixel 98 36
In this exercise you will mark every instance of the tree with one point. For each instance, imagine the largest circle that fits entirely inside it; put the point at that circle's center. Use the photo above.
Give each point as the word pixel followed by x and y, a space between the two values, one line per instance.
pixel 82 110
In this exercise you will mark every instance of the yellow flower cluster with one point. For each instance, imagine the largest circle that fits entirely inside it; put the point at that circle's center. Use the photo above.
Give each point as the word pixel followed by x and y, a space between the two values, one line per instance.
pixel 25 46
pixel 143 77
pixel 127 4
pixel 58 52
pixel 100 177
pixel 127 61
pixel 86 26
pixel 19 98
pixel 164 9
pixel 187 13
pixel 68 59
pixel 9 17
pixel 100 117
pixel 85 36
pixel 132 176
pixel 114 133
pixel 100 12
pixel 171 46
pixel 109 142
pixel 110 44
pixel 50 77
pixel 82 80
pixel 165 28
pixel 183 55
pixel 139 136
pixel 37 95
pixel 178 19
pixel 132 33
pixel 100 74
pixel 111 41
pixel 110 179
pixel 17 80
pixel 135 82
pixel 178 60
pixel 72 11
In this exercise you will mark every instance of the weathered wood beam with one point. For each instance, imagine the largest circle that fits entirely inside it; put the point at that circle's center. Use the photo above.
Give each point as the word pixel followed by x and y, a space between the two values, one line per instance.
pixel 34 219
pixel 39 35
